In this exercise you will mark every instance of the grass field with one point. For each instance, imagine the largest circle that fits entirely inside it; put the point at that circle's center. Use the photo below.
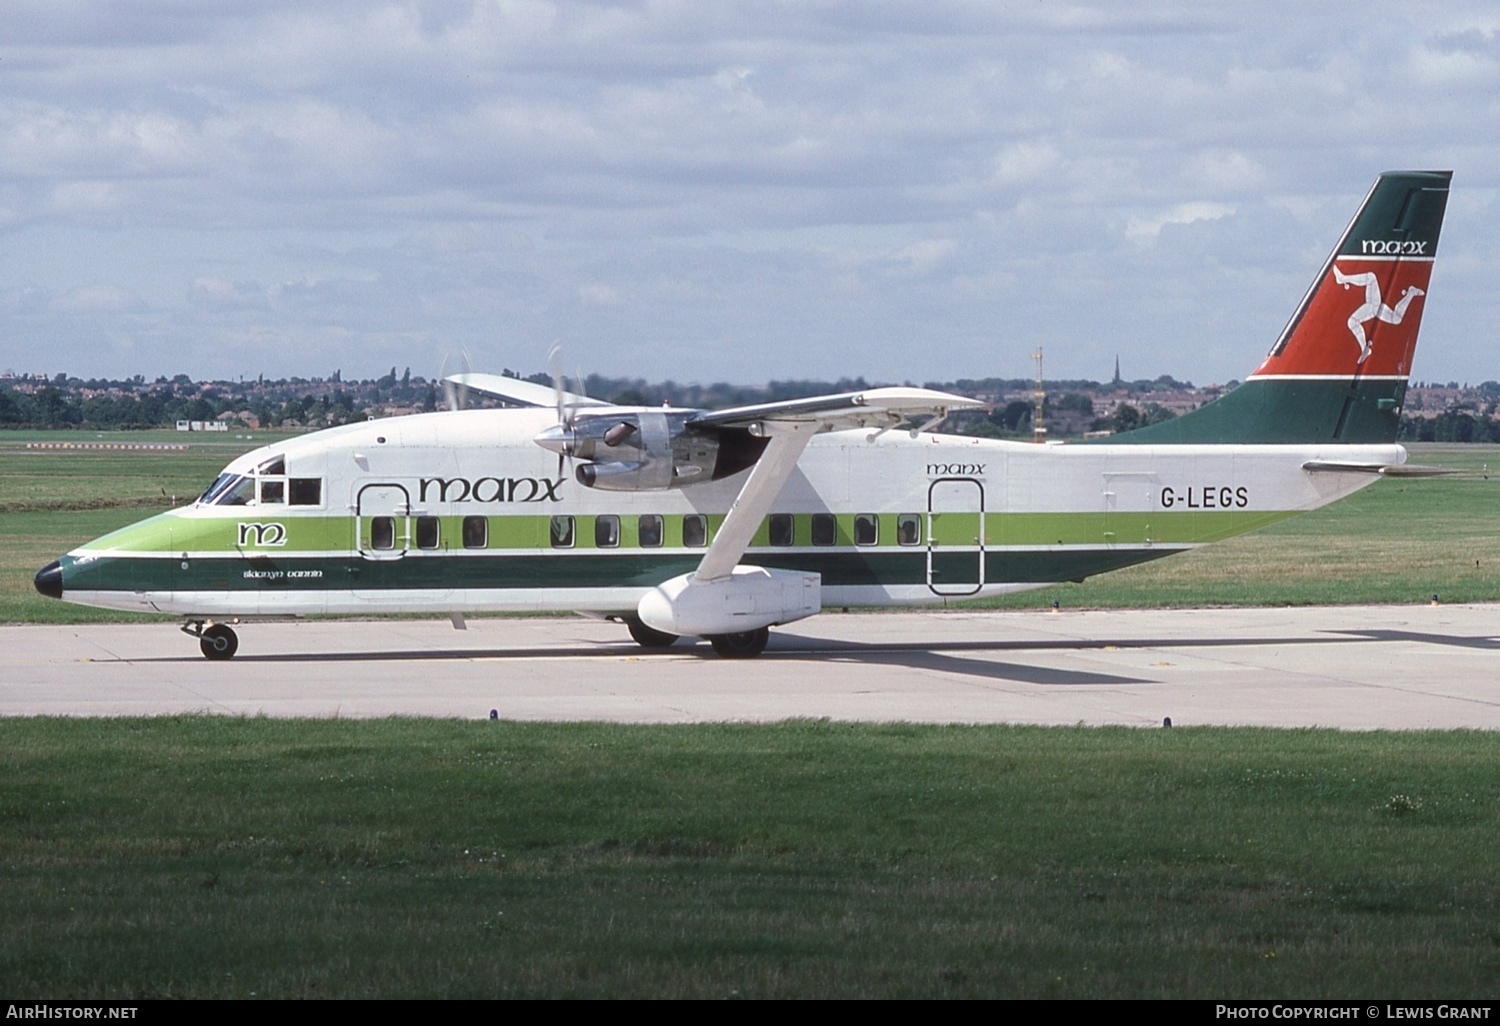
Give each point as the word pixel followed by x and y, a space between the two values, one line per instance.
pixel 1396 541
pixel 219 857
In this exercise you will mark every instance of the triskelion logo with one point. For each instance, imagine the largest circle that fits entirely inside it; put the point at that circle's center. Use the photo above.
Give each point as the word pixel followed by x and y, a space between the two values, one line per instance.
pixel 1373 308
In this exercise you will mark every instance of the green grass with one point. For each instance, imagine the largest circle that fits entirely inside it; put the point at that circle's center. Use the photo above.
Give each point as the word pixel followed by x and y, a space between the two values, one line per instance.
pixel 218 857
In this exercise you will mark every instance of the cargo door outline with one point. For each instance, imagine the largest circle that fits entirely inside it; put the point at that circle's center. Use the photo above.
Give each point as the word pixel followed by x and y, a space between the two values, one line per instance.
pixel 1127 493
pixel 955 536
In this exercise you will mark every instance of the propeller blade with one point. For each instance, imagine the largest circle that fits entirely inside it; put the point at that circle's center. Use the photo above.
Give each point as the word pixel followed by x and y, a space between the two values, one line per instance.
pixel 455 396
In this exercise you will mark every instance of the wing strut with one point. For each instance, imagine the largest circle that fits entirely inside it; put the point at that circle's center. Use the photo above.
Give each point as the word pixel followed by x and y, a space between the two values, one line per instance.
pixel 775 466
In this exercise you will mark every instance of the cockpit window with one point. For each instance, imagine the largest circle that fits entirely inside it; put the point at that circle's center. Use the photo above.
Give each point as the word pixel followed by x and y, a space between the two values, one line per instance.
pixel 230 490
pixel 240 493
pixel 273 467
pixel 221 482
pixel 306 491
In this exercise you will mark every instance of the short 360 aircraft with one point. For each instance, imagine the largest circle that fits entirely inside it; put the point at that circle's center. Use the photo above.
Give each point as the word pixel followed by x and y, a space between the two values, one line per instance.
pixel 722 524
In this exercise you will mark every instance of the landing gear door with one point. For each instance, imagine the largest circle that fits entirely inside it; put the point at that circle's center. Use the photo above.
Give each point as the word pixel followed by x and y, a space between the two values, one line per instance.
pixel 383 511
pixel 955 536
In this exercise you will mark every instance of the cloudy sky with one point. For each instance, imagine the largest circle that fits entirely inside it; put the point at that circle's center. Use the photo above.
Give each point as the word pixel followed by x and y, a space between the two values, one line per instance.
pixel 722 190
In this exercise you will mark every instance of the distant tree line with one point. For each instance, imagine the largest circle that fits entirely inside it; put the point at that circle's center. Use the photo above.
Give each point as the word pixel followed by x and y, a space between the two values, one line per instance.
pixel 99 404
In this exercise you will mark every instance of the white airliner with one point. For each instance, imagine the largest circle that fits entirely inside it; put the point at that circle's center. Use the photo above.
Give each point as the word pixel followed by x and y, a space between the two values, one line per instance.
pixel 722 524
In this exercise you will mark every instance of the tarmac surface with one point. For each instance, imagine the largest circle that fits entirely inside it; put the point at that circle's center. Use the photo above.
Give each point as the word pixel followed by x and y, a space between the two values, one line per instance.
pixel 1352 667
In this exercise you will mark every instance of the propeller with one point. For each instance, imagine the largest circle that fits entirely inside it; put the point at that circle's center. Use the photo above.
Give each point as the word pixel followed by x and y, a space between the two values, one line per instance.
pixel 456 396
pixel 567 412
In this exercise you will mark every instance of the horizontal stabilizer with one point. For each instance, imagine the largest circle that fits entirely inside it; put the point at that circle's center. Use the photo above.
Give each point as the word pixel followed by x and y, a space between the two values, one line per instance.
pixel 1383 469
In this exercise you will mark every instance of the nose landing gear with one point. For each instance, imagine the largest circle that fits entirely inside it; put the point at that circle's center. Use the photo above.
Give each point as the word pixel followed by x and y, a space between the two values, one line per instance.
pixel 215 640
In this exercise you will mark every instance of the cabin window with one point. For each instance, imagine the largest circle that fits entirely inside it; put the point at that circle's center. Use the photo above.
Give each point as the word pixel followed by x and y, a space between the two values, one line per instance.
pixel 427 532
pixel 272 492
pixel 383 533
pixel 606 532
pixel 909 529
pixel 306 491
pixel 866 529
pixel 650 531
pixel 695 530
pixel 476 532
pixel 562 532
pixel 825 529
pixel 779 528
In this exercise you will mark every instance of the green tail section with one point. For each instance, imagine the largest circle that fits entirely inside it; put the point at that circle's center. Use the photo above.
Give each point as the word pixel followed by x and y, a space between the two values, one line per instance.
pixel 1339 371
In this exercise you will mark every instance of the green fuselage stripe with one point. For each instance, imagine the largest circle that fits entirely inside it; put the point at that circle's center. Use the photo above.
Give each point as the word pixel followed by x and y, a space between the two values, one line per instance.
pixel 424 571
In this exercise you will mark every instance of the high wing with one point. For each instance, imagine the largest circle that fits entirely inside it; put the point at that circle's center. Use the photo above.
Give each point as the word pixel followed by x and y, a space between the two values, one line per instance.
pixel 520 393
pixel 647 449
pixel 885 407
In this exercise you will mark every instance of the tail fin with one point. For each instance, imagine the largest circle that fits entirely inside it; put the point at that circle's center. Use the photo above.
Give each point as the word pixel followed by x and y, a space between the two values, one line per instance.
pixel 1339 371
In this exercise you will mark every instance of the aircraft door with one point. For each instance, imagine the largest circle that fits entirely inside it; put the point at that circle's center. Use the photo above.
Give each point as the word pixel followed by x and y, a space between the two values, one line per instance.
pixel 383 529
pixel 955 536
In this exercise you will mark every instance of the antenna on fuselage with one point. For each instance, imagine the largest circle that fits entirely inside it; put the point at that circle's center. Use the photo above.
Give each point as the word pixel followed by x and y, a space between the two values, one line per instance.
pixel 1039 398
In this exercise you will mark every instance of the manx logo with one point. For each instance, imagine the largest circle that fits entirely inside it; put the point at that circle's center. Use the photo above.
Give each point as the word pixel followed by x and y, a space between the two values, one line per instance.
pixel 1394 247
pixel 262 535
pixel 489 489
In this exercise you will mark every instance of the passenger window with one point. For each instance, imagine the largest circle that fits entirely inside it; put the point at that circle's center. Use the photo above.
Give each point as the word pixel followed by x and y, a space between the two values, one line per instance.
pixel 780 529
pixel 272 492
pixel 866 529
pixel 306 491
pixel 427 532
pixel 694 530
pixel 562 532
pixel 825 529
pixel 476 532
pixel 383 533
pixel 650 531
pixel 909 529
pixel 606 532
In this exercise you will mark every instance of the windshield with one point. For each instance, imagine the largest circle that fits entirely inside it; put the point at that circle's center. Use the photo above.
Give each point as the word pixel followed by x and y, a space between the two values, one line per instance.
pixel 229 490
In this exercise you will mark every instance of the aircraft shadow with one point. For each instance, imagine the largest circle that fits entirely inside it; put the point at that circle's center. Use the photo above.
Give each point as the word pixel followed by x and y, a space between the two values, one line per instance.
pixel 953 657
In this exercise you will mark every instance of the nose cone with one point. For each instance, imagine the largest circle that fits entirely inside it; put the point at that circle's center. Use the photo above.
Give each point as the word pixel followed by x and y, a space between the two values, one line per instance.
pixel 48 580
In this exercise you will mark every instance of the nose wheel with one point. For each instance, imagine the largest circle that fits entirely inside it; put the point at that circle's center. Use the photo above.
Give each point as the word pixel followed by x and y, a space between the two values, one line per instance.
pixel 215 640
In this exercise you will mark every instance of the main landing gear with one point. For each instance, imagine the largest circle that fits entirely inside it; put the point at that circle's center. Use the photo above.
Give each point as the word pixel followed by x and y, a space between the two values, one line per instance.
pixel 215 640
pixel 649 637
pixel 742 645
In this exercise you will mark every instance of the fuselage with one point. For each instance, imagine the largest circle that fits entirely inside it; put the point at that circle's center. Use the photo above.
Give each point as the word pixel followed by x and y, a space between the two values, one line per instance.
pixel 465 512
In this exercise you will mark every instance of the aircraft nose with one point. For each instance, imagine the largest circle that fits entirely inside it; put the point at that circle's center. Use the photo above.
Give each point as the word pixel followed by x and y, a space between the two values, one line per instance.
pixel 48 580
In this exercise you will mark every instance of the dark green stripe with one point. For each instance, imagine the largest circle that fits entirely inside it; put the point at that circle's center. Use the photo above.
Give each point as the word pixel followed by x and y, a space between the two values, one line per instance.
pixel 838 568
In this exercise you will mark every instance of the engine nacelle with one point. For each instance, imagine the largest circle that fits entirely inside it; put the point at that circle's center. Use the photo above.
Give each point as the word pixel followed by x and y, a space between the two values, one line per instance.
pixel 748 599
pixel 642 450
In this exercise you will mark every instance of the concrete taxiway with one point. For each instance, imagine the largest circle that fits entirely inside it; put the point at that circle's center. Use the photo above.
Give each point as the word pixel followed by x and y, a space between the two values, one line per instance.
pixel 1354 667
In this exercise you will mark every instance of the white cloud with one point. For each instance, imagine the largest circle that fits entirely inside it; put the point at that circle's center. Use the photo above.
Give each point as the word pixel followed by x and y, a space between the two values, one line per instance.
pixel 718 190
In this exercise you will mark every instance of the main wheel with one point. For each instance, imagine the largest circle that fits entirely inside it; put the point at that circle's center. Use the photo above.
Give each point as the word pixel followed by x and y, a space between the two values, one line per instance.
pixel 649 637
pixel 744 645
pixel 218 642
